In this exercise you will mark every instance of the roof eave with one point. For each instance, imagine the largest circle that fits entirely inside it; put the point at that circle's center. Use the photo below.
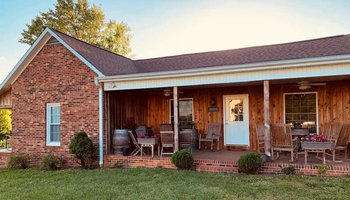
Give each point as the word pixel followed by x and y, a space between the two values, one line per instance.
pixel 230 68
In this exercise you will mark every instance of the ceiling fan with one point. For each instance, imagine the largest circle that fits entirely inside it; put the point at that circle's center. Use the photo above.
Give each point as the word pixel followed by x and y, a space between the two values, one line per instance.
pixel 169 92
pixel 304 85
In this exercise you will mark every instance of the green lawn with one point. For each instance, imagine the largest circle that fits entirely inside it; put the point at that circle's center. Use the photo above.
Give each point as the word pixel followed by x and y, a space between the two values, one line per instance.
pixel 164 184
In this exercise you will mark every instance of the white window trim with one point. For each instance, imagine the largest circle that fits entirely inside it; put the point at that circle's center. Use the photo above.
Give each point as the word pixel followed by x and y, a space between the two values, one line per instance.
pixel 171 104
pixel 284 105
pixel 48 123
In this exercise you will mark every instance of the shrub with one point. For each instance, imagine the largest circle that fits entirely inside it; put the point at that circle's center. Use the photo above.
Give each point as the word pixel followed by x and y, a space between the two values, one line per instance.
pixel 250 163
pixel 288 170
pixel 18 161
pixel 322 169
pixel 182 159
pixel 50 162
pixel 85 152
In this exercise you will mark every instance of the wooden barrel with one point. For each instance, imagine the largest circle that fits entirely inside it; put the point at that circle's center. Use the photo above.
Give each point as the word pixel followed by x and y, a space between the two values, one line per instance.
pixel 120 140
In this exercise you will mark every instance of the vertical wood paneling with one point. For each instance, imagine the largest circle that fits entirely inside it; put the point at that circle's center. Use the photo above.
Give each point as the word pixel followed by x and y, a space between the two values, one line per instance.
pixel 151 107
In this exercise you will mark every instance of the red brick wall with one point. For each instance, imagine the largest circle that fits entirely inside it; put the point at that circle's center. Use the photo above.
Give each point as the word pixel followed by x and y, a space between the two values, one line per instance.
pixel 207 165
pixel 55 75
pixel 3 159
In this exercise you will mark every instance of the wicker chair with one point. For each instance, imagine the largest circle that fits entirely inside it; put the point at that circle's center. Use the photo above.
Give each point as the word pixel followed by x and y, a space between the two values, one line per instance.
pixel 260 136
pixel 186 139
pixel 167 138
pixel 136 144
pixel 281 140
pixel 213 133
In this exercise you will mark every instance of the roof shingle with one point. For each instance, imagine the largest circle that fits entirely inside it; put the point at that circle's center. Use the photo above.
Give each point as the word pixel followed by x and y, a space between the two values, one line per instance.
pixel 112 64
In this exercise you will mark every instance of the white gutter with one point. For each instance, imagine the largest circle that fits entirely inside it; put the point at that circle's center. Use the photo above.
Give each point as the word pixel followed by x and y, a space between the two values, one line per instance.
pixel 100 101
pixel 297 63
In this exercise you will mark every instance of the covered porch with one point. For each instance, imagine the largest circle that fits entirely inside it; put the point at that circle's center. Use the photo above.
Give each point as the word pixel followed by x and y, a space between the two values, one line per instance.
pixel 268 102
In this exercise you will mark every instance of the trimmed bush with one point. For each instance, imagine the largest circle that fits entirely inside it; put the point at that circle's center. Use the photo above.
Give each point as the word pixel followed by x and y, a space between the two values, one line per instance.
pixel 322 169
pixel 18 161
pixel 84 150
pixel 250 163
pixel 288 170
pixel 50 162
pixel 182 159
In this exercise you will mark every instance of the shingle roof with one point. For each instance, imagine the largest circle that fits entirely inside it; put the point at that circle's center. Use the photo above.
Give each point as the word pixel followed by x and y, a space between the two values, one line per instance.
pixel 106 62
pixel 112 64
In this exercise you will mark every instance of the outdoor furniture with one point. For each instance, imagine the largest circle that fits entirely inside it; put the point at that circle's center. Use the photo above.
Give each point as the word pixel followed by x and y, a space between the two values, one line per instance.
pixel 149 143
pixel 316 147
pixel 186 139
pixel 331 130
pixel 300 132
pixel 136 144
pixel 167 140
pixel 281 140
pixel 142 129
pixel 341 141
pixel 213 134
pixel 260 136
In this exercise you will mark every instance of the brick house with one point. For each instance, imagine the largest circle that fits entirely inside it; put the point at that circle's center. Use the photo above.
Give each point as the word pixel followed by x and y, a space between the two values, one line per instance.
pixel 63 85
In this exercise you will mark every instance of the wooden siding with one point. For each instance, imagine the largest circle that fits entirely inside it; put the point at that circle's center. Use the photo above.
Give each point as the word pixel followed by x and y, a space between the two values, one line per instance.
pixel 5 100
pixel 151 107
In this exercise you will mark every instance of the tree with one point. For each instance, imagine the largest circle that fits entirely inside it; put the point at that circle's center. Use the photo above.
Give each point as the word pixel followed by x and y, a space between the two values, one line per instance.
pixel 5 121
pixel 80 20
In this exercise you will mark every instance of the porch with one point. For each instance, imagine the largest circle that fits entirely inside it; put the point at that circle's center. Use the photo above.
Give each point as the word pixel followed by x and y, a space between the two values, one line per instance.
pixel 152 107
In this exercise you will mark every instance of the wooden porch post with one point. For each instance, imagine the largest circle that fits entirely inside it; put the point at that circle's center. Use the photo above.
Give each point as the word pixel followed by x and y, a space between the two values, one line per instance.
pixel 267 119
pixel 176 118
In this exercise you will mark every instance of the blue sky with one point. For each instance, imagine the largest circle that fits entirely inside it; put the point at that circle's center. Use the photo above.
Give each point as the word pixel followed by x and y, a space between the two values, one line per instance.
pixel 161 28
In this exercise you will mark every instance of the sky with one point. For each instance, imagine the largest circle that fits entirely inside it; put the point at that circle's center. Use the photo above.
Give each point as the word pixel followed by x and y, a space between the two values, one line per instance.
pixel 165 27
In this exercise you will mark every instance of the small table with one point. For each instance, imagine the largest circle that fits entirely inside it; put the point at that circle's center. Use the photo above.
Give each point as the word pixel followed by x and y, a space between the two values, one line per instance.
pixel 149 142
pixel 316 147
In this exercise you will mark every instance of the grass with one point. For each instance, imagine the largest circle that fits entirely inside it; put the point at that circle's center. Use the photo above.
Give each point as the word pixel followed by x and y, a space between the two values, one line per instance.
pixel 164 184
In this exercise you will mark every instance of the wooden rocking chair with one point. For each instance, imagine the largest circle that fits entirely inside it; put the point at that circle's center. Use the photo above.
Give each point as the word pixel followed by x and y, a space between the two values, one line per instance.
pixel 260 136
pixel 213 133
pixel 342 140
pixel 281 140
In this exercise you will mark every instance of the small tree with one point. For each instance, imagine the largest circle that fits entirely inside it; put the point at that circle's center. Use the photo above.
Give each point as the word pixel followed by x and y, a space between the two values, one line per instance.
pixel 85 152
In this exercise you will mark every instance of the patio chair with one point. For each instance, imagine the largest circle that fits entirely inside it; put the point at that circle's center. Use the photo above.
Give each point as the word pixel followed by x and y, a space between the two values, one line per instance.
pixel 136 144
pixel 142 129
pixel 166 138
pixel 331 130
pixel 260 136
pixel 167 141
pixel 281 140
pixel 166 127
pixel 342 140
pixel 213 134
pixel 186 139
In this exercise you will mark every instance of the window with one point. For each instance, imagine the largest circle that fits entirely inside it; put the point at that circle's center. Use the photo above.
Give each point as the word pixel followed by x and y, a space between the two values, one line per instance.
pixel 185 113
pixel 236 110
pixel 301 111
pixel 53 115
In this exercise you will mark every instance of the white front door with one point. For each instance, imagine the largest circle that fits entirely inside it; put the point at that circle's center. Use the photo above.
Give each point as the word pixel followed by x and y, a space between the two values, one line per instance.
pixel 236 120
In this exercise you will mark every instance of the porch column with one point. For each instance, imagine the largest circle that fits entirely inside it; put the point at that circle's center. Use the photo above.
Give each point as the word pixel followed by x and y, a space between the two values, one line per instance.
pixel 100 101
pixel 176 118
pixel 267 119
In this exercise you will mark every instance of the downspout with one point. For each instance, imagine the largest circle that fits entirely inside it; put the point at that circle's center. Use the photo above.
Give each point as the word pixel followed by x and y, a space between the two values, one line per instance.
pixel 100 99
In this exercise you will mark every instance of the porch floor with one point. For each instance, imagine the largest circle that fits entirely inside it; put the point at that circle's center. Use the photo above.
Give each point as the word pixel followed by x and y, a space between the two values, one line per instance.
pixel 226 155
